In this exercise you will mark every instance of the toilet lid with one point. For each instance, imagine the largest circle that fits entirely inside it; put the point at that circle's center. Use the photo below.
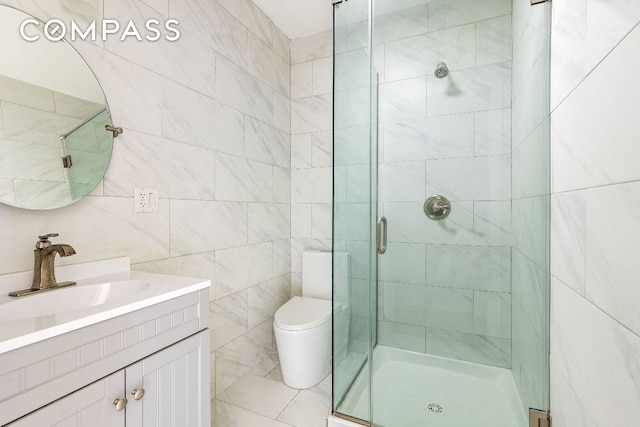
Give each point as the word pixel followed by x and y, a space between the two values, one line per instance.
pixel 302 313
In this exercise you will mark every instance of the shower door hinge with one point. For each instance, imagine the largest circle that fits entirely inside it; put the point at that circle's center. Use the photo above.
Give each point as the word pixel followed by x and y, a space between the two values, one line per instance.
pixel 66 161
pixel 538 1
pixel 539 418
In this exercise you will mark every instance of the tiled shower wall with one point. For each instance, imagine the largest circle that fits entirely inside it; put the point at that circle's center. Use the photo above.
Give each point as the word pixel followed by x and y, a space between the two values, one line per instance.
pixel 419 157
pixel 595 297
pixel 445 286
pixel 207 122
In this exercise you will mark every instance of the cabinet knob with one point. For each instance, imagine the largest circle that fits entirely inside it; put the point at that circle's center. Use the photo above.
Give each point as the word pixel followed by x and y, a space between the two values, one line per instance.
pixel 120 404
pixel 137 393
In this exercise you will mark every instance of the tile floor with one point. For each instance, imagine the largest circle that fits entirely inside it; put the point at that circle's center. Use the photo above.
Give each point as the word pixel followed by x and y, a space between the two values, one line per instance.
pixel 256 401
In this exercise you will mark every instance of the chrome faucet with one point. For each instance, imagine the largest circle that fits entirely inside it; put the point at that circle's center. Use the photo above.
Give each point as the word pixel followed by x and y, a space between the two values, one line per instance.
pixel 44 254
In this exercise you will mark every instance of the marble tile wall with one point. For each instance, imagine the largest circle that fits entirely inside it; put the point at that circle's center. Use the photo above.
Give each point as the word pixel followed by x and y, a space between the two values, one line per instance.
pixel 207 122
pixel 311 148
pixel 445 286
pixel 431 135
pixel 595 333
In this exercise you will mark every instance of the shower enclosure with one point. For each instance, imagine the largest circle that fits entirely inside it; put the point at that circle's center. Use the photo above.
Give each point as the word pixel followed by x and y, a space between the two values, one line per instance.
pixel 441 205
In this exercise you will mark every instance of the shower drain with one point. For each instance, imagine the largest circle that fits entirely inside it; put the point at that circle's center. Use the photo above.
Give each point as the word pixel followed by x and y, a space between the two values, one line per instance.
pixel 434 408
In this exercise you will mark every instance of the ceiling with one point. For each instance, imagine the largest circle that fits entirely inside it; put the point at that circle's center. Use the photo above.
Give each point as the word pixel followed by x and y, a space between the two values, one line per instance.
pixel 299 18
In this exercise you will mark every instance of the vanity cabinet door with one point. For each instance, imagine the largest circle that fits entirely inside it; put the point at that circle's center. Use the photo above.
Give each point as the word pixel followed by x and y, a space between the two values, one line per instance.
pixel 91 406
pixel 175 384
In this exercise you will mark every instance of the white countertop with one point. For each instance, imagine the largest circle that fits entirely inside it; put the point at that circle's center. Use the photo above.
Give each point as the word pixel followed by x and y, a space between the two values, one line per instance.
pixel 19 333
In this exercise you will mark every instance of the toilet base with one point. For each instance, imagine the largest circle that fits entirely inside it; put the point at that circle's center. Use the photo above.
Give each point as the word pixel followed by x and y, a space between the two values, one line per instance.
pixel 305 356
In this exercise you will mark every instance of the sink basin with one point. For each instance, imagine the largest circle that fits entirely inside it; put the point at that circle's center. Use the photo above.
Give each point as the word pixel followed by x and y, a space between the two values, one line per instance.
pixel 69 299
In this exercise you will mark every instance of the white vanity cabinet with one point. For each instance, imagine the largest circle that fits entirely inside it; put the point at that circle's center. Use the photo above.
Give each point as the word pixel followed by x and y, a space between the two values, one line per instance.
pixel 91 406
pixel 70 368
pixel 172 383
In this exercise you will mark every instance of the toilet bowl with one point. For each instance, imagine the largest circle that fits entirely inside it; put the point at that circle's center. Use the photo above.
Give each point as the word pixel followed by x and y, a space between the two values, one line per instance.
pixel 303 335
pixel 302 326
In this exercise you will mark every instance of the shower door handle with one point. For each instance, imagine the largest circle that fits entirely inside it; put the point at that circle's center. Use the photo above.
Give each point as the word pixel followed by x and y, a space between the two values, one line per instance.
pixel 381 235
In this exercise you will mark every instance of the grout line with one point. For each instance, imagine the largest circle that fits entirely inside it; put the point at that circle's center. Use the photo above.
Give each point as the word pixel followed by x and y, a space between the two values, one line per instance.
pixel 593 69
pixel 249 410
pixel 597 307
pixel 595 187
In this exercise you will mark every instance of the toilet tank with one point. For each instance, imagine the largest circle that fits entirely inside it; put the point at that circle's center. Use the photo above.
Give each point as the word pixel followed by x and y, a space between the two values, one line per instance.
pixel 316 274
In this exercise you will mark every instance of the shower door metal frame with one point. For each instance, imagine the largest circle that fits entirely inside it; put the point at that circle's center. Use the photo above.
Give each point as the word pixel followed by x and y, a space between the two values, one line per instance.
pixel 539 418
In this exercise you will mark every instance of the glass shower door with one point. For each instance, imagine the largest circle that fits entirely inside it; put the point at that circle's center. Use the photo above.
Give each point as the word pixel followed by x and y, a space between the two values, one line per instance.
pixel 441 127
pixel 354 210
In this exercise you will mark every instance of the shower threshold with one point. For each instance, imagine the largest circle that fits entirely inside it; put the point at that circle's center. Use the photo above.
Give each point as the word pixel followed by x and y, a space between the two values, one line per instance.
pixel 413 389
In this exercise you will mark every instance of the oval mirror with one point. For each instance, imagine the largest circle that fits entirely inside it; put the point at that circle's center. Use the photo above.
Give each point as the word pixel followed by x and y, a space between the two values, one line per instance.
pixel 54 148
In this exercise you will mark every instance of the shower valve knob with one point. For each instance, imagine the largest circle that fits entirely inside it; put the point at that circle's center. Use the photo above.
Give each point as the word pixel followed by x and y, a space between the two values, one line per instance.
pixel 437 208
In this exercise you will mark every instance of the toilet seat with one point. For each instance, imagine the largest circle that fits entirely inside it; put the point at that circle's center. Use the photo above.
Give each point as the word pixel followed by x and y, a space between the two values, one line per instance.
pixel 302 313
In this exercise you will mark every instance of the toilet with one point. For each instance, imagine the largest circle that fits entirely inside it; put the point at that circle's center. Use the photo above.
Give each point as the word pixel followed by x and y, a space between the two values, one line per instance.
pixel 302 326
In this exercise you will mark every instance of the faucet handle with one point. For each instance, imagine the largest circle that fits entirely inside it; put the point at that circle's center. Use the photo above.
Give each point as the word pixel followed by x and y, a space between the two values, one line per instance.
pixel 46 236
pixel 44 240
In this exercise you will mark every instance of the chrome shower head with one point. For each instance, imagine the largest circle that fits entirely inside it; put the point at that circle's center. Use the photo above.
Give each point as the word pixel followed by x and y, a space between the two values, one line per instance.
pixel 441 71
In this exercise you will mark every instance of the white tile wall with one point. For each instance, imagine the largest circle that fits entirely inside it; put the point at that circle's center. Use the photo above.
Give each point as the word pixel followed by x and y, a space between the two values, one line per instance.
pixel 569 246
pixel 445 136
pixel 311 114
pixel 486 87
pixel 573 413
pixel 402 181
pixel 492 132
pixel 494 40
pixel 418 56
pixel 469 347
pixel 431 138
pixel 406 337
pixel 207 122
pixel 403 100
pixel 397 20
pixel 445 14
pixel 429 306
pixel 594 329
pixel 240 179
pixel 191 117
pixel 487 268
pixel 311 148
pixel 597 355
pixel 404 263
pixel 232 272
pixel 609 141
pixel 316 46
pixel 302 80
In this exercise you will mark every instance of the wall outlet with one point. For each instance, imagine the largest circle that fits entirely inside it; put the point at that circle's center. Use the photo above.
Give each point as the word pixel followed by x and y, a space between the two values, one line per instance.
pixel 146 199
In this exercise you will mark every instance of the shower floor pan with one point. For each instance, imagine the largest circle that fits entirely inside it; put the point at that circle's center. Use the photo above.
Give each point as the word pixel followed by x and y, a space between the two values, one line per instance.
pixel 418 390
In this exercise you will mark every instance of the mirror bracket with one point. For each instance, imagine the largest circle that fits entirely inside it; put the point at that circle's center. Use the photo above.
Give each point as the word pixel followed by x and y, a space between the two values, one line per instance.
pixel 116 130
